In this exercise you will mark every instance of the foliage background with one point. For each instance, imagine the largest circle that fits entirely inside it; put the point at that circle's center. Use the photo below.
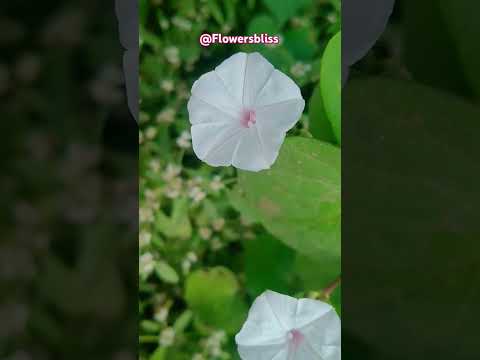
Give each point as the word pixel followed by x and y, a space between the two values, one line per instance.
pixel 206 246
pixel 68 185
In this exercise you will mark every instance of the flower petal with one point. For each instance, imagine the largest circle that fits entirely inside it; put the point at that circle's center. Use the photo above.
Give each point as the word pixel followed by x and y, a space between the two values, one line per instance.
pixel 266 323
pixel 201 112
pixel 257 74
pixel 311 310
pixel 251 153
pixel 244 76
pixel 306 352
pixel 263 352
pixel 278 89
pixel 323 334
pixel 215 143
pixel 232 73
pixel 272 124
pixel 210 89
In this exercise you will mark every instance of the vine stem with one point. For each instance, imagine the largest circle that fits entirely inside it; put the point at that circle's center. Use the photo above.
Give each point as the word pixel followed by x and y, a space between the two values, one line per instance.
pixel 331 288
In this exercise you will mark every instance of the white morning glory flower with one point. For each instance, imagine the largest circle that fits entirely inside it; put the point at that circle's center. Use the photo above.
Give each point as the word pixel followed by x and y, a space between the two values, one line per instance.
pixel 280 327
pixel 241 111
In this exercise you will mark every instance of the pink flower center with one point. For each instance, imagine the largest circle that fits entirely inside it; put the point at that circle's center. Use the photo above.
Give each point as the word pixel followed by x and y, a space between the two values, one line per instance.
pixel 295 337
pixel 248 118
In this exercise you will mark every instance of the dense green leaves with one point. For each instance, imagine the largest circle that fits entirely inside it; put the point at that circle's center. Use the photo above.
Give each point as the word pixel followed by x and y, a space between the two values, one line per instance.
pixel 331 83
pixel 298 200
pixel 213 296
pixel 283 10
pixel 262 24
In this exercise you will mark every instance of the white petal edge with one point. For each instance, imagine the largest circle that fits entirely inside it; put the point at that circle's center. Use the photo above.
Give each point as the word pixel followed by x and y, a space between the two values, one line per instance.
pixel 210 89
pixel 216 143
pixel 279 88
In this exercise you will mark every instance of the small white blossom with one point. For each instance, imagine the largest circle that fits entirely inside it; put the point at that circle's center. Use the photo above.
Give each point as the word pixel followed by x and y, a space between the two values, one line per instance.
pixel 183 140
pixel 165 116
pixel 154 165
pixel 172 55
pixel 173 189
pixel 161 313
pixel 167 86
pixel 300 69
pixel 205 233
pixel 146 264
pixel 213 344
pixel 216 184
pixel 293 329
pixel 164 24
pixel 167 337
pixel 144 117
pixel 181 23
pixel 240 112
pixel 186 266
pixel 150 133
pixel 218 224
pixel 192 257
pixel 171 172
pixel 145 215
pixel 197 194
pixel 144 239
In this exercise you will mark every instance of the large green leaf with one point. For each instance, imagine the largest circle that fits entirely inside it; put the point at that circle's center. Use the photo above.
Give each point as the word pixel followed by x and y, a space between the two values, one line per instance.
pixel 413 174
pixel 268 265
pixel 213 297
pixel 298 199
pixel 331 83
pixel 320 127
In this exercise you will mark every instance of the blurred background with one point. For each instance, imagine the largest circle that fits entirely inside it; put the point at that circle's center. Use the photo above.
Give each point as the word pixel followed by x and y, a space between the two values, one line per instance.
pixel 68 185
pixel 202 263
pixel 411 256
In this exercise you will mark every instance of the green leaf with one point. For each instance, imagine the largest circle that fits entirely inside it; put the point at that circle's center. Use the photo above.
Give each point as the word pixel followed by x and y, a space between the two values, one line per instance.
pixel 301 43
pixel 285 9
pixel 298 199
pixel 183 321
pixel 159 354
pixel 216 11
pixel 178 224
pixel 166 273
pixel 262 24
pixel 461 18
pixel 316 274
pixel 213 297
pixel 320 127
pixel 267 265
pixel 336 299
pixel 331 83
